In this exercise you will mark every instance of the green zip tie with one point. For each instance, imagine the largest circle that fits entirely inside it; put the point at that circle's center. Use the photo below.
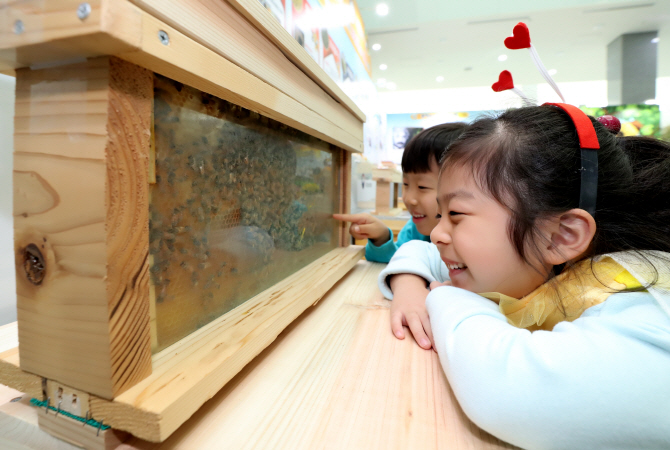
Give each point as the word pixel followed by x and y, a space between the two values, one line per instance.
pixel 92 422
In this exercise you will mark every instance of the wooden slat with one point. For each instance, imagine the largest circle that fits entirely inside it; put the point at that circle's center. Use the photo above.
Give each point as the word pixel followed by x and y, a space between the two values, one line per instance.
pixel 126 31
pixel 53 31
pixel 10 372
pixel 84 207
pixel 191 371
pixel 216 25
pixel 336 379
pixel 263 19
pixel 190 63
pixel 345 197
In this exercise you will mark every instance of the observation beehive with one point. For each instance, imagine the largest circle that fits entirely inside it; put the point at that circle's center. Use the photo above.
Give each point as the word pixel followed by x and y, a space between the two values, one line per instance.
pixel 174 190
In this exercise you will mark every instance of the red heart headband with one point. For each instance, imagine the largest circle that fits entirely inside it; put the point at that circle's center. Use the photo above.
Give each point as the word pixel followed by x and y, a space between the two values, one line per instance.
pixel 588 139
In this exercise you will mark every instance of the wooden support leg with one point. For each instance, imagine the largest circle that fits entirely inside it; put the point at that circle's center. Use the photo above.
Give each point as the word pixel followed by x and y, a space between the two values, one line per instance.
pixel 383 197
pixel 82 139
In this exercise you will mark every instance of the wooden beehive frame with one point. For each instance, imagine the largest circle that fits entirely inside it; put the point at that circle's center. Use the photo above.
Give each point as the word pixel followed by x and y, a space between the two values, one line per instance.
pixel 99 343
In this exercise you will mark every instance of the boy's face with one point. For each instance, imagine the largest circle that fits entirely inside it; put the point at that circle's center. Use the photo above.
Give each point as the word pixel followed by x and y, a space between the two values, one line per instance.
pixel 419 192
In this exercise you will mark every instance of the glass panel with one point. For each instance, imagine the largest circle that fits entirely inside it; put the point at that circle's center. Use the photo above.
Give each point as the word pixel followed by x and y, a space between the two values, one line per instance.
pixel 240 202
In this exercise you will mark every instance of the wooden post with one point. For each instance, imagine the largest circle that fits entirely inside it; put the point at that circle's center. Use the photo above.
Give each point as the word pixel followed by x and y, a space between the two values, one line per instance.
pixel 345 195
pixel 82 138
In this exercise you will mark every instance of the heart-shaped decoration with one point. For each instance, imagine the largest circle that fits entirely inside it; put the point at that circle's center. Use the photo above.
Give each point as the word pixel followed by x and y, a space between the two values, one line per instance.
pixel 504 83
pixel 520 37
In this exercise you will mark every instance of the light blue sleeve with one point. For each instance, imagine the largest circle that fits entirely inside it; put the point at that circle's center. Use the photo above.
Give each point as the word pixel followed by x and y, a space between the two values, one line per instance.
pixel 415 257
pixel 600 382
pixel 385 252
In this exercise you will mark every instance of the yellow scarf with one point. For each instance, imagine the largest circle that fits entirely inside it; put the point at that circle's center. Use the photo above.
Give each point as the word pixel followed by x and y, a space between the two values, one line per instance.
pixel 578 289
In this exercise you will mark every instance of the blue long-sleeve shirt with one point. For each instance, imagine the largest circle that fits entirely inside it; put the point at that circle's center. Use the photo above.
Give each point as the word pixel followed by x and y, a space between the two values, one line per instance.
pixel 385 252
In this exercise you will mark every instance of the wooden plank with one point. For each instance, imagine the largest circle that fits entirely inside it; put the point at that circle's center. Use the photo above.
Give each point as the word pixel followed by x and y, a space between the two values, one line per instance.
pixel 52 31
pixel 191 371
pixel 190 63
pixel 10 373
pixel 336 379
pixel 81 212
pixel 345 196
pixel 254 11
pixel 216 25
pixel 183 59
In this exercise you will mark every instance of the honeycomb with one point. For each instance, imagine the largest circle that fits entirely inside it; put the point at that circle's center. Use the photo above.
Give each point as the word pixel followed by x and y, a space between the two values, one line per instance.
pixel 240 202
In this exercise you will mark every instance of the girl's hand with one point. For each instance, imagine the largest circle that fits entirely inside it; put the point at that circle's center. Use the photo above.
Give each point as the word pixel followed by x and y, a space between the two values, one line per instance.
pixel 365 226
pixel 408 308
pixel 437 284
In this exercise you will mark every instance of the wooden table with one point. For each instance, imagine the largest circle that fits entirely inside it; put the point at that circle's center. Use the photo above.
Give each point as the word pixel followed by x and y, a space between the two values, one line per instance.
pixel 335 379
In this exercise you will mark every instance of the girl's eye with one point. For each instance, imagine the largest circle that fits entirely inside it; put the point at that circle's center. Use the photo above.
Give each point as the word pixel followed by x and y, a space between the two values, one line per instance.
pixel 454 213
pixel 424 187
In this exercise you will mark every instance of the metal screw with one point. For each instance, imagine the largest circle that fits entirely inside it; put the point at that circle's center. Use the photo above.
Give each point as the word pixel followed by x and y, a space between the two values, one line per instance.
pixel 83 11
pixel 163 37
pixel 18 27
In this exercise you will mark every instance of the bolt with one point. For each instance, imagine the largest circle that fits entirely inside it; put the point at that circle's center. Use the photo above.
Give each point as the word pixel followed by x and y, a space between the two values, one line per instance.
pixel 163 37
pixel 83 11
pixel 18 27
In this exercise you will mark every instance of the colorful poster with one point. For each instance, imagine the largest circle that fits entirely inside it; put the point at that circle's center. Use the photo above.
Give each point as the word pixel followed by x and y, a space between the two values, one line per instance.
pixel 636 120
pixel 332 61
pixel 278 10
pixel 307 35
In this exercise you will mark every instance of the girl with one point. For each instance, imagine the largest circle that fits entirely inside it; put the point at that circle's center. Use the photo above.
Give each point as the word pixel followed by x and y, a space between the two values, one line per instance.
pixel 576 354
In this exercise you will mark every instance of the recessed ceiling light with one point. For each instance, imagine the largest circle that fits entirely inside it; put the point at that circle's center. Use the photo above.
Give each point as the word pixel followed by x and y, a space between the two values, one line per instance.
pixel 552 71
pixel 381 82
pixel 655 40
pixel 383 67
pixel 502 58
pixel 439 79
pixel 391 86
pixel 382 9
pixel 376 47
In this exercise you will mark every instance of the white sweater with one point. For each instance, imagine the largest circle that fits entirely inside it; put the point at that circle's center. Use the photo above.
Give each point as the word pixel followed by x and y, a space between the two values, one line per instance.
pixel 600 382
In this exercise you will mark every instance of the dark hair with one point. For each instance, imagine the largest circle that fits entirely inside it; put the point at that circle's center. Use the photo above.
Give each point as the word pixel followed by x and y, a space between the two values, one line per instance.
pixel 430 144
pixel 528 159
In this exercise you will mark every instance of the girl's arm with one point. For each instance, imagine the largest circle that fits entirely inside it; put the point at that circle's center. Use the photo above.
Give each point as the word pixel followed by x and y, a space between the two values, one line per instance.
pixel 415 257
pixel 598 382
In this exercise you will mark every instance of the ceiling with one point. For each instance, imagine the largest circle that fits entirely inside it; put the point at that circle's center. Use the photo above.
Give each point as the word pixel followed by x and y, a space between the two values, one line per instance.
pixel 461 41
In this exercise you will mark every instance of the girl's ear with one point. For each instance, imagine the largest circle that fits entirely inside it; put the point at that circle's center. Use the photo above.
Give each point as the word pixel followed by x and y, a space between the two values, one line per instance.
pixel 570 235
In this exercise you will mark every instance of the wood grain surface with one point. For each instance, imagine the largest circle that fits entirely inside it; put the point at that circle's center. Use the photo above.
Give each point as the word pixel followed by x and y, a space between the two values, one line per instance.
pixel 81 203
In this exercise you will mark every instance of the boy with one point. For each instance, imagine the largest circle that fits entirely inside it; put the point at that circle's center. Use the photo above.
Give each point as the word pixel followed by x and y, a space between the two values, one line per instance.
pixel 420 167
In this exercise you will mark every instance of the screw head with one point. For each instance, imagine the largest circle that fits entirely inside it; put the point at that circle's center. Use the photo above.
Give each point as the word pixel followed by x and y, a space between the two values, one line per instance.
pixel 18 27
pixel 83 11
pixel 163 37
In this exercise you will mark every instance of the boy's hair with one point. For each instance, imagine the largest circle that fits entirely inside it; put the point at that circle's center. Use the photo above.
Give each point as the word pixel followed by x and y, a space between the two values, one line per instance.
pixel 529 160
pixel 430 144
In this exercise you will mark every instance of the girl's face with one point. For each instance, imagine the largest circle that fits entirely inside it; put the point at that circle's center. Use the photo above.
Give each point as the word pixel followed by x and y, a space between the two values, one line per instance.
pixel 473 240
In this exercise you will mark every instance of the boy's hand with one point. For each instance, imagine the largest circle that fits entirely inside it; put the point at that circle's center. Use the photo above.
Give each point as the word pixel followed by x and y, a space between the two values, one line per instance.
pixel 408 308
pixel 365 226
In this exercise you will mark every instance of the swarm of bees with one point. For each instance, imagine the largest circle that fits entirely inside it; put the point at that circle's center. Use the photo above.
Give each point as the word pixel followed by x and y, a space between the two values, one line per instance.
pixel 240 202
